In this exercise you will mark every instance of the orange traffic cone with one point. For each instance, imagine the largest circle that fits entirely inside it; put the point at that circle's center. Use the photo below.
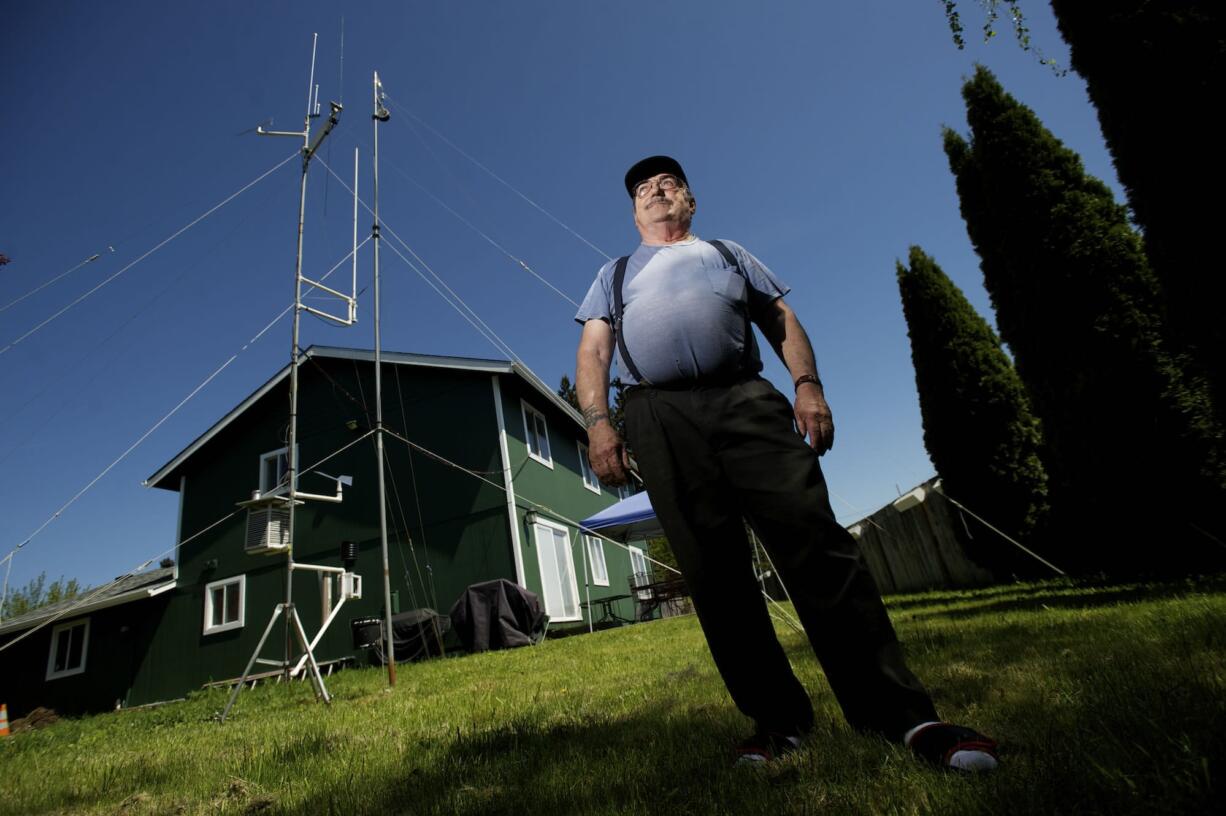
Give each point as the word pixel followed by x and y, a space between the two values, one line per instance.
pixel 4 720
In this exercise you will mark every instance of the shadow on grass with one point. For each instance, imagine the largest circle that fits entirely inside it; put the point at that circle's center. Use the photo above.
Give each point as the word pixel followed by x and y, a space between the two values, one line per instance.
pixel 1054 595
pixel 659 761
pixel 1096 715
pixel 1119 746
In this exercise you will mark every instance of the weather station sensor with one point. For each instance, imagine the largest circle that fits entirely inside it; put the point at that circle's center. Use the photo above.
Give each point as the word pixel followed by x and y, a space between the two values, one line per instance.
pixel 351 586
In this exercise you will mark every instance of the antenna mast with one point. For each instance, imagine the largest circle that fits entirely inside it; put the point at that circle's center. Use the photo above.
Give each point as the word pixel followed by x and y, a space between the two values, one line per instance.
pixel 381 115
pixel 288 498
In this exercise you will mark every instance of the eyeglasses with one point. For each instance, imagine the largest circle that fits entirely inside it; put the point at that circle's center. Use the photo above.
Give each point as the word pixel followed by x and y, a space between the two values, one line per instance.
pixel 665 183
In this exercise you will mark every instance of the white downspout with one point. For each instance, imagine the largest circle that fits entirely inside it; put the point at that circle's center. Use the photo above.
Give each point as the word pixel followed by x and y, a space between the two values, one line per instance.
pixel 509 484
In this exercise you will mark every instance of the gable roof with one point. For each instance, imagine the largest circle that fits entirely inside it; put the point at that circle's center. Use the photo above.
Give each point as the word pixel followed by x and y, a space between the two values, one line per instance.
pixel 124 589
pixel 473 364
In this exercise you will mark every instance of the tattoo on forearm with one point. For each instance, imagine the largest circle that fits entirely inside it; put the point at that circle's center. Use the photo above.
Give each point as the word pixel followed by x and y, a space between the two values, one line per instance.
pixel 593 415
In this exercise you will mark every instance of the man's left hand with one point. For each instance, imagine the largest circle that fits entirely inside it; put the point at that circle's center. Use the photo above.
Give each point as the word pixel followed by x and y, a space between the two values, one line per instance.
pixel 813 417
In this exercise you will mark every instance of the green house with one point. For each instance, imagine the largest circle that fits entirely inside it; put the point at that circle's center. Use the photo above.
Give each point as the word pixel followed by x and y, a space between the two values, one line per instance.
pixel 487 475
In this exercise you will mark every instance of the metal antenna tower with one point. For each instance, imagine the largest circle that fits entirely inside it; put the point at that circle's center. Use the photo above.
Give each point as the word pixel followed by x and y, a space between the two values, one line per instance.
pixel 379 115
pixel 276 507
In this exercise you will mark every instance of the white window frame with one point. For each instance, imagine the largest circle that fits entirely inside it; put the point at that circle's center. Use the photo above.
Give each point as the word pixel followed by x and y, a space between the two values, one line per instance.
pixel 595 554
pixel 570 560
pixel 210 629
pixel 529 432
pixel 585 471
pixel 277 489
pixel 639 558
pixel 622 492
pixel 66 629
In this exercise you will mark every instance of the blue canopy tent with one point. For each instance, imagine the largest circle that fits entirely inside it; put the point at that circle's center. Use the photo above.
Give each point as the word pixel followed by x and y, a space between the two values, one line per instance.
pixel 628 519
pixel 634 518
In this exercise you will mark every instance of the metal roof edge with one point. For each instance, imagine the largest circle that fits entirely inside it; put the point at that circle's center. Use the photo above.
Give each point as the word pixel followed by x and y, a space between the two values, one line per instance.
pixel 482 364
pixel 530 377
pixel 216 428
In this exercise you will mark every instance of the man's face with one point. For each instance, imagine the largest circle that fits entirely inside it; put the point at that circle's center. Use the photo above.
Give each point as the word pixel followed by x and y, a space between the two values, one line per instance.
pixel 659 205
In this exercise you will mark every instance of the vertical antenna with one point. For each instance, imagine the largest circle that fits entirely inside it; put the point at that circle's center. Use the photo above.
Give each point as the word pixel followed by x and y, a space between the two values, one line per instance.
pixel 311 80
pixel 381 115
pixel 4 596
pixel 353 303
pixel 291 454
pixel 340 98
pixel 340 81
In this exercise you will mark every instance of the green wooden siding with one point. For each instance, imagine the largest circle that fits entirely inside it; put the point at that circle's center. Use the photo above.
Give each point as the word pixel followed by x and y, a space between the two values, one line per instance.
pixel 447 528
pixel 558 494
pixel 115 660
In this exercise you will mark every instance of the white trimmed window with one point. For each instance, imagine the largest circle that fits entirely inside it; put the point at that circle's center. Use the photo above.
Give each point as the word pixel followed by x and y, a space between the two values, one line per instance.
pixel 585 469
pixel 558 583
pixel 69 643
pixel 639 568
pixel 595 557
pixel 224 604
pixel 621 491
pixel 536 433
pixel 274 471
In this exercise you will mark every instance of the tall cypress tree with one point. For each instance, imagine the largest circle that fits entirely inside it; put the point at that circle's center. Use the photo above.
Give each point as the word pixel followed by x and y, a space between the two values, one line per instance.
pixel 1132 450
pixel 978 427
pixel 1156 72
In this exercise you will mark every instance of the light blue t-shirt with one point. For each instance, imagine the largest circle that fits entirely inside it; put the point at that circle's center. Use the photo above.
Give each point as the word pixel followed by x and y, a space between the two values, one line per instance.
pixel 683 308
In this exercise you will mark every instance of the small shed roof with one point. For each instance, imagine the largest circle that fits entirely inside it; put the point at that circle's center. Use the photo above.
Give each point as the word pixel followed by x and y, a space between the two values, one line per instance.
pixel 124 589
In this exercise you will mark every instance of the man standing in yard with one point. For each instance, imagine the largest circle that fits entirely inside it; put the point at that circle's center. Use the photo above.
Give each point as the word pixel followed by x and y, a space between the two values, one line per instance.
pixel 716 443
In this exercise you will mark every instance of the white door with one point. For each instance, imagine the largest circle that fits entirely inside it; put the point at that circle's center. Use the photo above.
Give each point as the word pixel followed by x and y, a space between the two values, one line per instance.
pixel 558 583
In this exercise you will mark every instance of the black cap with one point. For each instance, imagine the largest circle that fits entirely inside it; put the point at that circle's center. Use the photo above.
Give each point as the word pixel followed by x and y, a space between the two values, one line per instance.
pixel 653 166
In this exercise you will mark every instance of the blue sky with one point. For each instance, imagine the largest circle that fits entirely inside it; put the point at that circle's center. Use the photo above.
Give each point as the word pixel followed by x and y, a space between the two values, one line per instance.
pixel 810 133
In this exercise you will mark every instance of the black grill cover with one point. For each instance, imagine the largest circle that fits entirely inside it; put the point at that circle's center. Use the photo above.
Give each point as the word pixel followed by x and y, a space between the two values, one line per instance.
pixel 498 615
pixel 416 634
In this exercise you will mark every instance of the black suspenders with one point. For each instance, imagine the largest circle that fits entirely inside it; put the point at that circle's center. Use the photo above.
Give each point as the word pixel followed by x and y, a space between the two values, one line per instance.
pixel 619 275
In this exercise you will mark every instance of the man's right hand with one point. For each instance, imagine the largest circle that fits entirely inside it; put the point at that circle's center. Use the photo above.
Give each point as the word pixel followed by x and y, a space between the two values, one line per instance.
pixel 605 450
pixel 607 454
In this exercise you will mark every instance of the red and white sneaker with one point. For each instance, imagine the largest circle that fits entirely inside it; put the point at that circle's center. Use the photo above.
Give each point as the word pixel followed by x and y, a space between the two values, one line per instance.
pixel 953 746
pixel 765 746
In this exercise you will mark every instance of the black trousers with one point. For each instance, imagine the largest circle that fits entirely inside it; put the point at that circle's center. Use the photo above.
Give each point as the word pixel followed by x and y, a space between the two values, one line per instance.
pixel 710 455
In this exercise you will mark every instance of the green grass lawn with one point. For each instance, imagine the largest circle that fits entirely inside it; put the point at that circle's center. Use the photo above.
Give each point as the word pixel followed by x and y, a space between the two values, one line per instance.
pixel 1106 699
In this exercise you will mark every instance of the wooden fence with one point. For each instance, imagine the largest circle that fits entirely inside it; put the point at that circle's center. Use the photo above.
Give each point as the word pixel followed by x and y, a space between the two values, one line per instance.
pixel 915 544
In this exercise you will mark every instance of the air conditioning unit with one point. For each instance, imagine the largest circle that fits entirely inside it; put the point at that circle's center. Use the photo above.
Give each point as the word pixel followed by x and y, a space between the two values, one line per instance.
pixel 267 529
